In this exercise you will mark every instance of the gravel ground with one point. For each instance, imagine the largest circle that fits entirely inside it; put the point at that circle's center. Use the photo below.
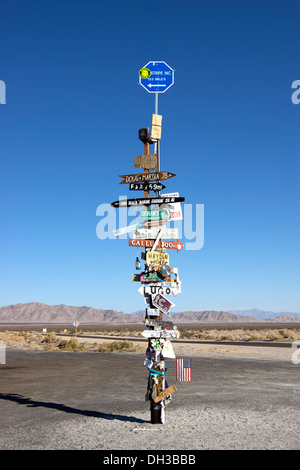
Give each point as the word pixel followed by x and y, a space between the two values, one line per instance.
pixel 240 398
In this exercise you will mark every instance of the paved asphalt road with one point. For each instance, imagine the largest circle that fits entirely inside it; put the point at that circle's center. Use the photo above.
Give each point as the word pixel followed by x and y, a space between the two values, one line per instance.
pixel 61 400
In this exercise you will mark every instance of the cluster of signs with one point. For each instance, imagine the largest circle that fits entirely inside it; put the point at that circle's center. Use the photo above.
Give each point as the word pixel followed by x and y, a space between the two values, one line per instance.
pixel 158 279
pixel 150 233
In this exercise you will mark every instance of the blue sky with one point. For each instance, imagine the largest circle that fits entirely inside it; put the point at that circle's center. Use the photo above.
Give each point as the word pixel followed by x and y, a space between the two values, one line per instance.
pixel 230 133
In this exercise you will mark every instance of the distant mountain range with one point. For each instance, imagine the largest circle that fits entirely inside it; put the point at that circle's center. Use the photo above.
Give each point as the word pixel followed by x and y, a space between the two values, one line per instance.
pixel 35 312
pixel 262 314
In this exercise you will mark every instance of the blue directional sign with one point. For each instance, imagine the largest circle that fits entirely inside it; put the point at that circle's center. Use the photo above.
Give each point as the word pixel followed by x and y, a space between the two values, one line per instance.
pixel 156 77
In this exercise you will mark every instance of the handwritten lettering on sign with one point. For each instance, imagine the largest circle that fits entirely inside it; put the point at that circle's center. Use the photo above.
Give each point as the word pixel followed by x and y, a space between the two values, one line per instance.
pixel 149 233
pixel 146 177
pixel 155 258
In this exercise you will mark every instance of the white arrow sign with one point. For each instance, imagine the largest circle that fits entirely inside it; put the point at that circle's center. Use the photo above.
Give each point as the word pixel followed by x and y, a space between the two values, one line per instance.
pixel 151 85
pixel 160 334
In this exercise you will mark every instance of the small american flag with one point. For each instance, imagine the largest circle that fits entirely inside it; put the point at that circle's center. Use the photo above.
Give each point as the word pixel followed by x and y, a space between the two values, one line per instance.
pixel 183 370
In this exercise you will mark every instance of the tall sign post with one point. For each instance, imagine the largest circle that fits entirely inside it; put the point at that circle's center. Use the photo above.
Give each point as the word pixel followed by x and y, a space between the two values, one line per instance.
pixel 158 279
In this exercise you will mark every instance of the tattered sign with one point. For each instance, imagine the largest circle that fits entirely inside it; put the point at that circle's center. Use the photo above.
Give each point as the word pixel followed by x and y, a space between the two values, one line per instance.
pixel 162 303
pixel 160 333
pixel 128 229
pixel 149 162
pixel 165 393
pixel 147 233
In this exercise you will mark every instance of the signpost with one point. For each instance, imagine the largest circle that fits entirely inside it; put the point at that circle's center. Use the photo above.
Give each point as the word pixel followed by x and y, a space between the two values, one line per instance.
pixel 156 281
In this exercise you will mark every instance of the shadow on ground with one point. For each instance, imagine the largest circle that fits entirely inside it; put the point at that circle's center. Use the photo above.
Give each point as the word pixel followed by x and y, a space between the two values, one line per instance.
pixel 67 409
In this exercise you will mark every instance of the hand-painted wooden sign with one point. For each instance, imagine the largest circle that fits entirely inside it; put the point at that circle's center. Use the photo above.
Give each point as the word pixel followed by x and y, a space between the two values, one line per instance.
pixel 146 186
pixel 162 303
pixel 146 177
pixel 141 243
pixel 165 393
pixel 154 214
pixel 148 162
pixel 146 202
pixel 148 233
pixel 156 258
pixel 145 243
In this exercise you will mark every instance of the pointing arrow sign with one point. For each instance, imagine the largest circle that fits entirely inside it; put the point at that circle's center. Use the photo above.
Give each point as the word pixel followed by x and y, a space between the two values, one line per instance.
pixel 151 85
pixel 146 177
pixel 146 202
pixel 146 243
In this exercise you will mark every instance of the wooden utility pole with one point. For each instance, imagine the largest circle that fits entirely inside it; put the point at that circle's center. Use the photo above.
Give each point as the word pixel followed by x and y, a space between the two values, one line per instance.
pixel 156 267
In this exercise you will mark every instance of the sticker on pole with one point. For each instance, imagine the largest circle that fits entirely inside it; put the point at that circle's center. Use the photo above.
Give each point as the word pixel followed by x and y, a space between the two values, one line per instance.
pixel 161 77
pixel 144 73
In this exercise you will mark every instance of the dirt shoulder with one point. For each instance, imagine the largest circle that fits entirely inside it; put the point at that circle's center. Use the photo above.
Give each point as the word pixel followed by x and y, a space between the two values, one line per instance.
pixel 50 341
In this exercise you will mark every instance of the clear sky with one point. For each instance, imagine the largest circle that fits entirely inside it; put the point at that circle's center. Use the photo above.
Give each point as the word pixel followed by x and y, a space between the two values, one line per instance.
pixel 230 133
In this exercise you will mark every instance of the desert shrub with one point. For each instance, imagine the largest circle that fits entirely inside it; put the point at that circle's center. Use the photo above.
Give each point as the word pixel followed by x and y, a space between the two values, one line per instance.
pixel 71 345
pixel 62 344
pixel 271 335
pixel 116 345
pixel 285 333
pixel 50 338
pixel 227 337
pixel 208 336
pixel 255 337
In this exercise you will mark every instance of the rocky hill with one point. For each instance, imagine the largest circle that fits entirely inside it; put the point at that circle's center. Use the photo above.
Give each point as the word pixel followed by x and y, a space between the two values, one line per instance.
pixel 35 312
pixel 210 316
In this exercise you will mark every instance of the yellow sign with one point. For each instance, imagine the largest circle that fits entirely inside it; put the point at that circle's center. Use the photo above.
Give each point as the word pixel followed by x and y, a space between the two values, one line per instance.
pixel 145 73
pixel 155 258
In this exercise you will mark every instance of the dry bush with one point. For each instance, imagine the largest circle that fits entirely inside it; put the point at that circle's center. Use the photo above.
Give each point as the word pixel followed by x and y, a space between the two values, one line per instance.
pixel 118 346
pixel 71 345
